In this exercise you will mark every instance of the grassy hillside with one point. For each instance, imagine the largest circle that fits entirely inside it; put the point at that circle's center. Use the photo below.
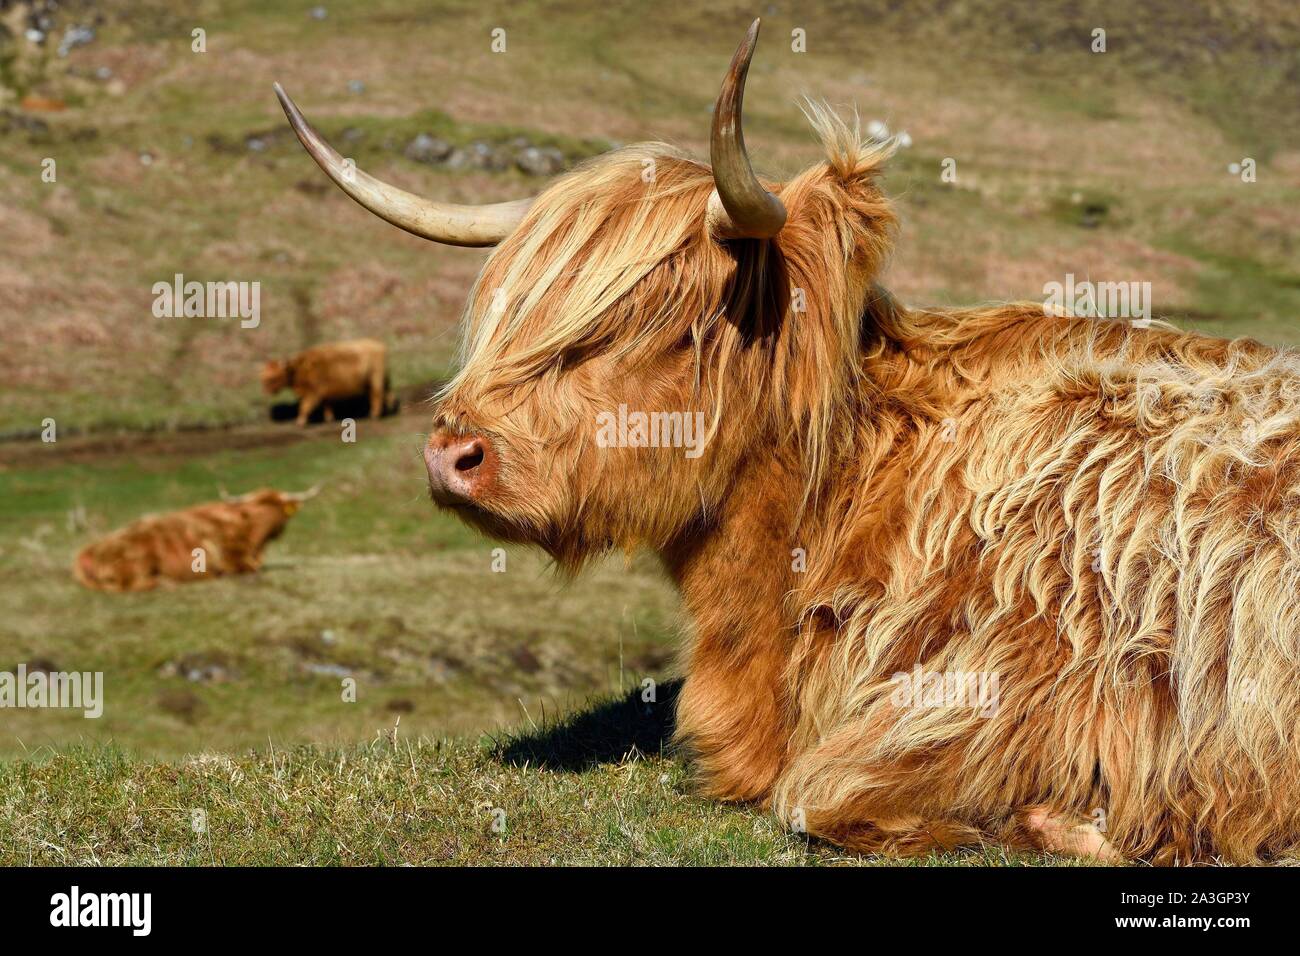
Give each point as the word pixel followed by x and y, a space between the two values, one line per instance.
pixel 1109 165
pixel 225 695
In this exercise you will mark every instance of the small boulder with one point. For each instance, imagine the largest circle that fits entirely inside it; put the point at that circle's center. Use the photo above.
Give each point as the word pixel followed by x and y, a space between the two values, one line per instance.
pixel 428 149
pixel 540 161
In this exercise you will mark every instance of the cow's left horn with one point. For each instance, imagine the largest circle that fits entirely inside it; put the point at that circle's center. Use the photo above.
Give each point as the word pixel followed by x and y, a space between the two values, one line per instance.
pixel 451 223
pixel 740 207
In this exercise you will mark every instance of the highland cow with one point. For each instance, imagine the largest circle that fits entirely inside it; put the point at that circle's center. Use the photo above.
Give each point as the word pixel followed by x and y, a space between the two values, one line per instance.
pixel 206 541
pixel 1099 521
pixel 329 373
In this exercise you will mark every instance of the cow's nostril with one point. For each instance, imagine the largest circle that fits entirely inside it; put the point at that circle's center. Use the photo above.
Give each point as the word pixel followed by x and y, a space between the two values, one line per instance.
pixel 471 459
pixel 460 467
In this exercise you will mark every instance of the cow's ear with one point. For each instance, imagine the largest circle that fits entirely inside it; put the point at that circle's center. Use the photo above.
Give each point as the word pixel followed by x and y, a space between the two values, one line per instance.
pixel 291 506
pixel 759 296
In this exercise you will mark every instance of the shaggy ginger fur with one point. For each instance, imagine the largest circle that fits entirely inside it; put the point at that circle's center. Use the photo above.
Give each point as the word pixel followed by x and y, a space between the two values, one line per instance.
pixel 161 549
pixel 1104 517
pixel 326 373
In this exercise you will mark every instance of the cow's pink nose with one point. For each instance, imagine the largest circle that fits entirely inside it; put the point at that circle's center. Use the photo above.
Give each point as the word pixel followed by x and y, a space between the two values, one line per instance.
pixel 459 465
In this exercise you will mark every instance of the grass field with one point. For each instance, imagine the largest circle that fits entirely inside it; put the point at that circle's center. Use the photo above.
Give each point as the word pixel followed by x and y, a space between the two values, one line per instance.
pixel 225 696
pixel 591 789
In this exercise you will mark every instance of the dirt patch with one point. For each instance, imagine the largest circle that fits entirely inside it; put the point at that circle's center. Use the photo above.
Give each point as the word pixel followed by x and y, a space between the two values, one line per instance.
pixel 95 448
pixel 28 451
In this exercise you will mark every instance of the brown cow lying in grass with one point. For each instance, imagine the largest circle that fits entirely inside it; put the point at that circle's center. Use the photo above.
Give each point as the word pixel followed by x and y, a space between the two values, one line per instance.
pixel 329 373
pixel 206 541
pixel 953 576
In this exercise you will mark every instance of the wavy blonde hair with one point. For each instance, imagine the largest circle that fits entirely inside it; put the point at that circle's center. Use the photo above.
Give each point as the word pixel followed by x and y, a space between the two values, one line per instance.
pixel 1075 505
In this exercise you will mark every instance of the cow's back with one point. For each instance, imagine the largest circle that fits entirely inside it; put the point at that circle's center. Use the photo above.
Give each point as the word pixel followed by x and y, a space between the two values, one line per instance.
pixel 339 369
pixel 1110 523
pixel 199 542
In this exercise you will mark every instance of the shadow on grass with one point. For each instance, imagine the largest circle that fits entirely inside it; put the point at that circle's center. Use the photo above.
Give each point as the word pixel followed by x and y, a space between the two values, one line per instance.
pixel 358 406
pixel 606 733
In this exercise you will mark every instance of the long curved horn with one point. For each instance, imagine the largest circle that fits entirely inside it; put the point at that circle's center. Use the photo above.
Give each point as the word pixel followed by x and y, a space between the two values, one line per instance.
pixel 740 207
pixel 307 495
pixel 450 223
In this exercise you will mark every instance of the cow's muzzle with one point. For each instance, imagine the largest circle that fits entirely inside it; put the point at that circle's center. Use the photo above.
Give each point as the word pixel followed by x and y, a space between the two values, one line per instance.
pixel 460 467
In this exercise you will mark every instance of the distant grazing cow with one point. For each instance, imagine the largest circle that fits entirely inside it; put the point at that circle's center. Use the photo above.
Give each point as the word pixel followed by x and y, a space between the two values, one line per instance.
pixel 224 537
pixel 954 575
pixel 328 373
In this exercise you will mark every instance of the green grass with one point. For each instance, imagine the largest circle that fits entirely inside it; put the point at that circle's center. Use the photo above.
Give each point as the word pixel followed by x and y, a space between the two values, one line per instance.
pixel 597 790
pixel 367 582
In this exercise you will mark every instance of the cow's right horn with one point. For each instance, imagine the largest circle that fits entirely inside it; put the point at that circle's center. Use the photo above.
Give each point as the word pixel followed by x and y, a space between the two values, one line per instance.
pixel 450 223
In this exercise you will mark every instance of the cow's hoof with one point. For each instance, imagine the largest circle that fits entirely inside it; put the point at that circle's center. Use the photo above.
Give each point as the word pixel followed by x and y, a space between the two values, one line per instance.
pixel 1069 835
